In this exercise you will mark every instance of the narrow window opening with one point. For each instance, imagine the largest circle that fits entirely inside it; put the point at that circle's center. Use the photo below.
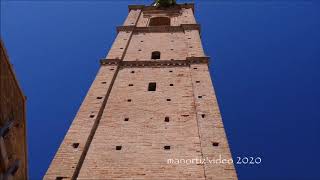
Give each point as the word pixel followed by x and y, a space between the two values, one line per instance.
pixel 171 49
pixel 118 148
pixel 91 116
pixel 166 119
pixel 185 115
pixel 168 99
pixel 171 59
pixel 75 145
pixel 166 147
pixel 121 48
pixel 152 86
pixel 99 97
pixel 140 50
pixel 155 55
pixel 197 81
pixel 126 119
pixel 171 84
pixel 215 144
pixel 170 71
pixel 132 72
pixel 141 41
pixel 189 38
pixel 195 68
pixel 112 69
pixel 129 100
pixel 59 178
pixel 130 84
pixel 199 97
pixel 103 82
pixel 203 115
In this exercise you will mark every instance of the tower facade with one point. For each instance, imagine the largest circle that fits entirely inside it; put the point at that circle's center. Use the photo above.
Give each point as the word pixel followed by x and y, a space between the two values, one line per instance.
pixel 151 109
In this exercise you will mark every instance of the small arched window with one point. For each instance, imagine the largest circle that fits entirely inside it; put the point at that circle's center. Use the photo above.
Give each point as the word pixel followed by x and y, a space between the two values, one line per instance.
pixel 155 55
pixel 159 21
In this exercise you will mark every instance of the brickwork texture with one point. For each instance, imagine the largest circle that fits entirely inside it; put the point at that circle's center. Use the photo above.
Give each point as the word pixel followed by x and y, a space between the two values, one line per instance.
pixel 135 118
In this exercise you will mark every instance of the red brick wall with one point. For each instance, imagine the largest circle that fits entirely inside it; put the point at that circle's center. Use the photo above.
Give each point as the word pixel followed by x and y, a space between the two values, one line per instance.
pixel 144 134
pixel 12 108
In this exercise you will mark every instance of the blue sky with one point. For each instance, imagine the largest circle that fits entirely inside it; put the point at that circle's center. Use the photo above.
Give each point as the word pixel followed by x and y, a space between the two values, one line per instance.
pixel 265 60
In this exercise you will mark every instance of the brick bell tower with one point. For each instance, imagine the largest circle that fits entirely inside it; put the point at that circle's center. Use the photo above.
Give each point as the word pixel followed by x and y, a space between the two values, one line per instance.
pixel 152 101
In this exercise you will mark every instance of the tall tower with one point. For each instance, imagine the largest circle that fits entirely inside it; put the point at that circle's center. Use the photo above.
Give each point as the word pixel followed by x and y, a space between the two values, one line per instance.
pixel 151 108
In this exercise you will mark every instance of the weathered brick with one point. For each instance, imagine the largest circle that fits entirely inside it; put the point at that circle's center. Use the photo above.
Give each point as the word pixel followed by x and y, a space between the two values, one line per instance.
pixel 12 110
pixel 135 131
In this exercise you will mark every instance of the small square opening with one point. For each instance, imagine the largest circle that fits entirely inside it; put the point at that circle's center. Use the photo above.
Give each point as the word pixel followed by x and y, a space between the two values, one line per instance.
pixel 155 55
pixel 152 86
pixel 215 144
pixel 132 72
pixel 199 97
pixel 118 148
pixel 203 115
pixel 126 119
pixel 75 145
pixel 166 119
pixel 129 100
pixel 166 147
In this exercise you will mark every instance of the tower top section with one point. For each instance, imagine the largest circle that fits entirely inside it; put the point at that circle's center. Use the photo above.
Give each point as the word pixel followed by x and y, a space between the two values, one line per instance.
pixel 173 7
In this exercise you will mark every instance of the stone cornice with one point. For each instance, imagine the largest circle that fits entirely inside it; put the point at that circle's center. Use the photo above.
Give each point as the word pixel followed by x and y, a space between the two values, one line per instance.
pixel 182 28
pixel 156 63
pixel 153 8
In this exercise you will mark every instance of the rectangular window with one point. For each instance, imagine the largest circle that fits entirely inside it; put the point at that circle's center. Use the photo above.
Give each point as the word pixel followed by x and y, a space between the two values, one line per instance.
pixel 152 86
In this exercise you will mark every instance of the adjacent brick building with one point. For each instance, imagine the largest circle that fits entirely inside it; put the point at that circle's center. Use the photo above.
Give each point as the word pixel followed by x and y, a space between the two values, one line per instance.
pixel 13 147
pixel 152 101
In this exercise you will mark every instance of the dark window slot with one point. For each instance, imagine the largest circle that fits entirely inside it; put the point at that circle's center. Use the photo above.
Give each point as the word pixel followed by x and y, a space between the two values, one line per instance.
pixel 152 86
